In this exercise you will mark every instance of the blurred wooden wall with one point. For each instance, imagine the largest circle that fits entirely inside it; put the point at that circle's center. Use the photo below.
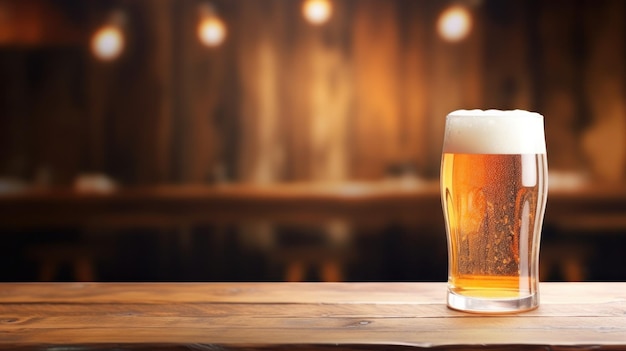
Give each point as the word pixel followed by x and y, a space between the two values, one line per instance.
pixel 284 100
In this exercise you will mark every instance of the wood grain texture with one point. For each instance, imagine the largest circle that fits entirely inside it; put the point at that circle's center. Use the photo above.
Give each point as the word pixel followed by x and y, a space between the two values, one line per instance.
pixel 277 316
pixel 284 100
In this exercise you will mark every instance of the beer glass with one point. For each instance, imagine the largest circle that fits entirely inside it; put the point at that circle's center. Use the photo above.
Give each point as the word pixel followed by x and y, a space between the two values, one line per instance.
pixel 493 191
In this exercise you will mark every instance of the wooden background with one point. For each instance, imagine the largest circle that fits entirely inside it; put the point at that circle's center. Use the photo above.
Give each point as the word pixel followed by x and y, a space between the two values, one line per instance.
pixel 359 97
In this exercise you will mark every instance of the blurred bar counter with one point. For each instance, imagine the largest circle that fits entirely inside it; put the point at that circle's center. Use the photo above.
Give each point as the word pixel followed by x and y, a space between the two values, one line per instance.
pixel 585 207
pixel 386 229
pixel 172 205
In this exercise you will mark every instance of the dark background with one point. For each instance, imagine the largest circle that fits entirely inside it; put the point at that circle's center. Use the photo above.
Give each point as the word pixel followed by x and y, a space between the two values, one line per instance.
pixel 360 98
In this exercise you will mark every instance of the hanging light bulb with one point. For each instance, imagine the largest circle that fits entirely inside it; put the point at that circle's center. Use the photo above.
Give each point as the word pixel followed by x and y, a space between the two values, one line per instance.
pixel 107 43
pixel 317 11
pixel 211 29
pixel 455 23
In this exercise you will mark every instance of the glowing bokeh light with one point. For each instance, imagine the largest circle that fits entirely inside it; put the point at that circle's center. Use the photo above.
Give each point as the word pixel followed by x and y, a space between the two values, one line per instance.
pixel 211 31
pixel 454 24
pixel 107 43
pixel 317 11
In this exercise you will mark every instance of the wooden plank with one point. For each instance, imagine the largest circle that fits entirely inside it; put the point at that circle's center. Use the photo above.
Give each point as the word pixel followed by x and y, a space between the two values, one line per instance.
pixel 560 51
pixel 259 62
pixel 208 310
pixel 277 315
pixel 160 67
pixel 604 89
pixel 376 115
pixel 203 79
pixel 329 98
pixel 508 81
pixel 393 293
pixel 280 331
pixel 414 33
pixel 552 294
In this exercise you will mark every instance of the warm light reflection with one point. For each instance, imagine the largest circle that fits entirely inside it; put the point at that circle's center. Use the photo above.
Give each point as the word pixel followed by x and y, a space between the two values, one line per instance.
pixel 211 31
pixel 317 11
pixel 107 43
pixel 454 24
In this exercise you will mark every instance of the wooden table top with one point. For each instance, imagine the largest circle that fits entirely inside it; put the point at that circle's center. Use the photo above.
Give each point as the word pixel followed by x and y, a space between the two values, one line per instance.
pixel 299 316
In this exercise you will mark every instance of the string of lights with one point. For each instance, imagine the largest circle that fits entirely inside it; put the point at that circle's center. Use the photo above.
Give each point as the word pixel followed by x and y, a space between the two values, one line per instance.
pixel 107 43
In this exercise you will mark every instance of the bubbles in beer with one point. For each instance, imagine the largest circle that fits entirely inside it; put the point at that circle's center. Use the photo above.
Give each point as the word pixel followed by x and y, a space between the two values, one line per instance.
pixel 493 176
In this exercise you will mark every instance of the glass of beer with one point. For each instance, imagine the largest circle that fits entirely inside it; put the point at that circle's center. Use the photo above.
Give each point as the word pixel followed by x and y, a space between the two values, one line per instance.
pixel 493 190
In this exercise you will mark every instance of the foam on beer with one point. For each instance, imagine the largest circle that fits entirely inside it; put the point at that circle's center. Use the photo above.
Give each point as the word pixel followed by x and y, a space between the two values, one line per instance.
pixel 494 132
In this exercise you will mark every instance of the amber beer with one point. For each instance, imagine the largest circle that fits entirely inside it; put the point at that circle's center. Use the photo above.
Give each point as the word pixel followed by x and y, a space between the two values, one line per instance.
pixel 493 189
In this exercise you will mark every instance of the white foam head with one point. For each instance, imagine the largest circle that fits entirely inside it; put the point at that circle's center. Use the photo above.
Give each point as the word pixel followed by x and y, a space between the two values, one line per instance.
pixel 494 132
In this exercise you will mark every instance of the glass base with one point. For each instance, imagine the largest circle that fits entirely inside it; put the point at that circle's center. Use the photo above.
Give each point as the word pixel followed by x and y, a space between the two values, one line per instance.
pixel 492 305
